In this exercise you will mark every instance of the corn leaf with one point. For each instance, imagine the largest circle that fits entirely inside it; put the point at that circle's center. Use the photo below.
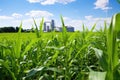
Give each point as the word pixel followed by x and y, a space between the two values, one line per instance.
pixel 18 43
pixel 97 75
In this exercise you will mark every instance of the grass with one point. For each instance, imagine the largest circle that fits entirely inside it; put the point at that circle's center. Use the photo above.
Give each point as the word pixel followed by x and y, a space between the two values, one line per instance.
pixel 85 55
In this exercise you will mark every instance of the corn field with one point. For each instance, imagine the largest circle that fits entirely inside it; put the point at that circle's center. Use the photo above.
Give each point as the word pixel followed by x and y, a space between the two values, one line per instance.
pixel 81 55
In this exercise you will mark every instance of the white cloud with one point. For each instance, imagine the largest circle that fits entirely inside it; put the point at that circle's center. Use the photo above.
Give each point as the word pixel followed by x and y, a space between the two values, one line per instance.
pixel 5 18
pixel 39 13
pixel 89 21
pixel 50 2
pixel 16 15
pixel 15 18
pixel 76 23
pixel 6 21
pixel 34 1
pixel 65 1
pixel 27 23
pixel 102 4
pixel 88 17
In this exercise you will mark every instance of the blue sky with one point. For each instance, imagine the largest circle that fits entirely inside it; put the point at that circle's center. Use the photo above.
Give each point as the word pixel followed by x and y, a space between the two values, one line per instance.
pixel 74 12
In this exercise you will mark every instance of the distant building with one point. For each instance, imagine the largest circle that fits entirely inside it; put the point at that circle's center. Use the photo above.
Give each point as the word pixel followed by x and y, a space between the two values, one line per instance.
pixel 51 27
pixel 48 29
pixel 68 28
pixel 58 29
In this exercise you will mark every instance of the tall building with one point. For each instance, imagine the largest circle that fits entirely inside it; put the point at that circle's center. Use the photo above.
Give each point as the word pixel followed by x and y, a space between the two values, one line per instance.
pixel 52 25
pixel 45 28
pixel 48 29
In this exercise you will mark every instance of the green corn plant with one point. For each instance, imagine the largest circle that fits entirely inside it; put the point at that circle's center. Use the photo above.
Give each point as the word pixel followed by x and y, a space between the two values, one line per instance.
pixel 37 40
pixel 64 32
pixel 105 27
pixel 18 43
pixel 5 64
pixel 39 32
pixel 36 30
pixel 109 60
pixel 41 26
pixel 112 49
pixel 64 39
pixel 29 46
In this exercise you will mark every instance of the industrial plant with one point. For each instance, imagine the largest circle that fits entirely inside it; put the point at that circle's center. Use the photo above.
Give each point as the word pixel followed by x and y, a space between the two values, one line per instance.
pixel 50 26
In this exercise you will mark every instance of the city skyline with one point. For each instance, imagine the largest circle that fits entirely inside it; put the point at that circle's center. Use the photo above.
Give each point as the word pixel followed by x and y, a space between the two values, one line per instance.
pixel 74 12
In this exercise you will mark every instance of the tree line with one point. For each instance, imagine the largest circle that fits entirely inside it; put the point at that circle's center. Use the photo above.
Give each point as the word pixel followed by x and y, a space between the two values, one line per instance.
pixel 13 29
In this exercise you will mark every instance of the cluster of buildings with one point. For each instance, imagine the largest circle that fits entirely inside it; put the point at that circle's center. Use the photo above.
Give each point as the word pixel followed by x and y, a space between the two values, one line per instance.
pixel 51 27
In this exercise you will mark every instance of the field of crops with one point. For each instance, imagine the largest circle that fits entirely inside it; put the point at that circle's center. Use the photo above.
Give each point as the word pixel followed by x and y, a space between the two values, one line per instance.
pixel 85 55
